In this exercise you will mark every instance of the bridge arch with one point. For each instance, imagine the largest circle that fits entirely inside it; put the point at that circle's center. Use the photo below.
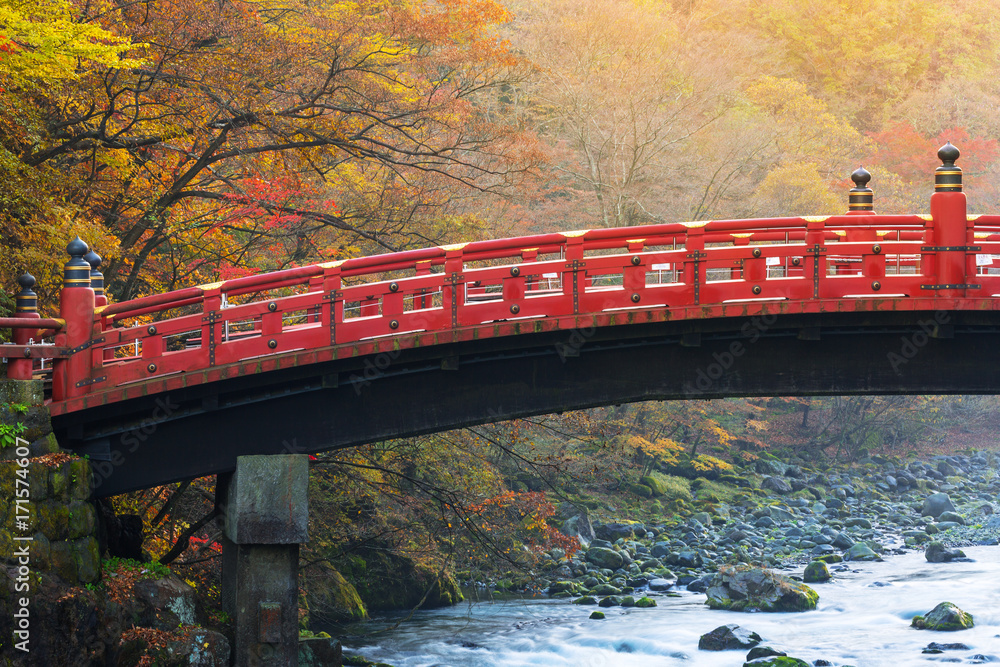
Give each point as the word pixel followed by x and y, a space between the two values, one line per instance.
pixel 338 354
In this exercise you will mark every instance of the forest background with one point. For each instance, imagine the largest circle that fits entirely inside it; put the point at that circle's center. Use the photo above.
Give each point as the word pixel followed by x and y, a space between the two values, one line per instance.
pixel 190 141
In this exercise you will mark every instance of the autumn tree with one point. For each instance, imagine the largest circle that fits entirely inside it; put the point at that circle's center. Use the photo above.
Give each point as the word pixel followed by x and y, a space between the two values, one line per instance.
pixel 256 135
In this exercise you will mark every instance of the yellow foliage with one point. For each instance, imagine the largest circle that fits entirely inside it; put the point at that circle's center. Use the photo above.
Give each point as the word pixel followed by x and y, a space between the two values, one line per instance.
pixel 44 41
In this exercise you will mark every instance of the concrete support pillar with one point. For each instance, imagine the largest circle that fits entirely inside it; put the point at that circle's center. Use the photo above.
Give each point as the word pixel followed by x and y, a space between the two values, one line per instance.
pixel 265 517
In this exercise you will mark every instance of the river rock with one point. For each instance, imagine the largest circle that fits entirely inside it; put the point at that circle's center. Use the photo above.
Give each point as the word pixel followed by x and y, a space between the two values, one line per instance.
pixel 750 588
pixel 605 589
pixel 937 553
pixel 605 558
pixel 945 617
pixel 935 647
pixel 689 558
pixel 816 571
pixel 780 661
pixel 860 552
pixel 727 638
pixel 660 584
pixel 843 541
pixel 935 504
pixel 776 484
pixel 614 531
pixel 951 517
pixel 758 652
pixel 578 527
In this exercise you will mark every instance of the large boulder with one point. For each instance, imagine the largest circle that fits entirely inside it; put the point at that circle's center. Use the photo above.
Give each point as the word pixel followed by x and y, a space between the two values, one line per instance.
pixel 605 558
pixel 750 588
pixel 816 571
pixel 386 581
pixel 937 553
pixel 575 522
pixel 330 598
pixel 935 504
pixel 945 617
pixel 578 526
pixel 613 531
pixel 727 638
pixel 166 603
pixel 953 517
pixel 860 552
pixel 776 484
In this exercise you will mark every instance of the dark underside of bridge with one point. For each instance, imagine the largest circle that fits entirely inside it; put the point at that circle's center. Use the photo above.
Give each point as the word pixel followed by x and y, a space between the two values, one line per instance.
pixel 201 430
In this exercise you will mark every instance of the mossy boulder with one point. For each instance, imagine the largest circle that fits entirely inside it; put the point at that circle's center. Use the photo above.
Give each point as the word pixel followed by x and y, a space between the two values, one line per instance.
pixel 816 571
pixel 654 484
pixel 777 661
pixel 945 617
pixel 641 490
pixel 604 558
pixel 585 600
pixel 751 588
pixel 728 638
pixel 597 615
pixel 386 581
pixel 936 552
pixel 645 603
pixel 860 552
pixel 332 599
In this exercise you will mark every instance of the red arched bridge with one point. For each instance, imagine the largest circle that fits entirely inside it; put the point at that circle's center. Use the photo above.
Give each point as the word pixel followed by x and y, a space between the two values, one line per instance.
pixel 176 385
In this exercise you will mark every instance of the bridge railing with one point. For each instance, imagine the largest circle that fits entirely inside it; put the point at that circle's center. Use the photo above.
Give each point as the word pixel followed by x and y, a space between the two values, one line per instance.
pixel 855 261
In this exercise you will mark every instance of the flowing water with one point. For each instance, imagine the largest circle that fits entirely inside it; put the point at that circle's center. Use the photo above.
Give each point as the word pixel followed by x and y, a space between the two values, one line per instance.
pixel 863 619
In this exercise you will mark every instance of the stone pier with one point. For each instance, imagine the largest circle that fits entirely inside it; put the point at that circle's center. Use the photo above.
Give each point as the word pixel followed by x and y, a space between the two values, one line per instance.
pixel 264 505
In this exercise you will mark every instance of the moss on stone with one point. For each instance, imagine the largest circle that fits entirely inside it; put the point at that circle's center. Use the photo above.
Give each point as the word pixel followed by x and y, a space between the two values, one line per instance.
pixel 387 581
pixel 777 661
pixel 945 617
pixel 332 599
pixel 641 490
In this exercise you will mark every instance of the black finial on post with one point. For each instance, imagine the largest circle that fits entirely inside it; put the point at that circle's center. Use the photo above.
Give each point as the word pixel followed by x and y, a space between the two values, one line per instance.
pixel 27 300
pixel 96 277
pixel 861 197
pixel 948 177
pixel 76 272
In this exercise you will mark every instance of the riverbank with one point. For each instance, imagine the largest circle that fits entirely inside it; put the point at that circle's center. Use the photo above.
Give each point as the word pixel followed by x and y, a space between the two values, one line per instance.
pixel 776 514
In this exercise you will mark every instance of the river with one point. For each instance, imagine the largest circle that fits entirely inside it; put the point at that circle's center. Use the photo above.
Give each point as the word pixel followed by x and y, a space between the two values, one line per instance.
pixel 863 619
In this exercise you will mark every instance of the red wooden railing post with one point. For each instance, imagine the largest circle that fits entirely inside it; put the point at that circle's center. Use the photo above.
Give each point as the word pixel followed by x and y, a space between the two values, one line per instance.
pixel 27 308
pixel 71 376
pixel 332 309
pixel 694 265
pixel 816 246
pixel 948 211
pixel 453 293
pixel 573 279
